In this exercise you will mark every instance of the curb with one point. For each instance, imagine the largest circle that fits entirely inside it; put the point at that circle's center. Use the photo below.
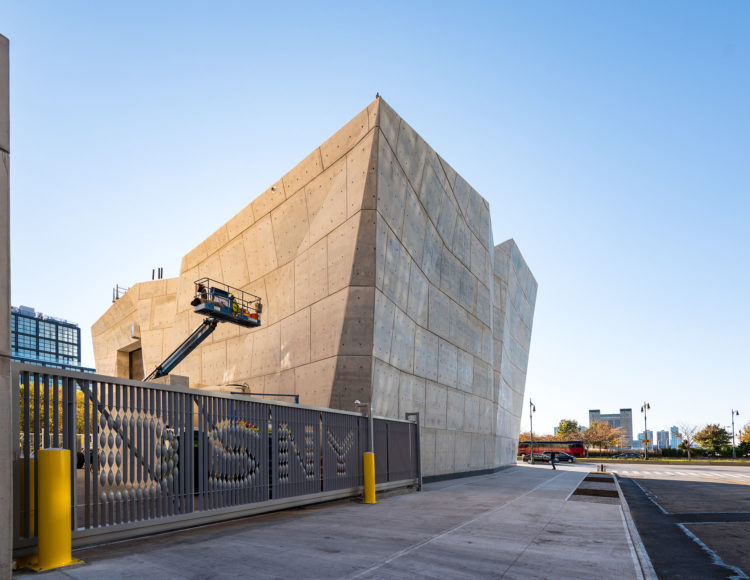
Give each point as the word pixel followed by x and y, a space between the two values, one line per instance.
pixel 647 569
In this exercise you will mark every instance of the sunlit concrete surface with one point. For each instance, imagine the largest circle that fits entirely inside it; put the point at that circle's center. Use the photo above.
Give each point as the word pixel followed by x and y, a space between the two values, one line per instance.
pixel 516 523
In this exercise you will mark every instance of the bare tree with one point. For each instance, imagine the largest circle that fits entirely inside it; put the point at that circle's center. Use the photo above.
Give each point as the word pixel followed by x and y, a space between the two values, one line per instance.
pixel 687 433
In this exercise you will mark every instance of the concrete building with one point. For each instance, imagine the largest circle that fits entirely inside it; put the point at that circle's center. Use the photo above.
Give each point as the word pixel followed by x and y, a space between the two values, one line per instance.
pixel 45 340
pixel 380 281
pixel 6 435
pixel 662 439
pixel 674 437
pixel 622 419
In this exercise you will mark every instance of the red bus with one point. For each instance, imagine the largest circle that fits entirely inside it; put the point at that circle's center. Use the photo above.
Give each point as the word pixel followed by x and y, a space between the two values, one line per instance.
pixel 574 448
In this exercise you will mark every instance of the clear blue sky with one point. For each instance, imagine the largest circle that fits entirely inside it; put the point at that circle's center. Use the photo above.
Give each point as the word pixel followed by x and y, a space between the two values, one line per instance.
pixel 611 140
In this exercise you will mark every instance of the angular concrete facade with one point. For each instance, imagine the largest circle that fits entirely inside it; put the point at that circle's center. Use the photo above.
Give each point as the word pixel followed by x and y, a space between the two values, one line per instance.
pixel 380 281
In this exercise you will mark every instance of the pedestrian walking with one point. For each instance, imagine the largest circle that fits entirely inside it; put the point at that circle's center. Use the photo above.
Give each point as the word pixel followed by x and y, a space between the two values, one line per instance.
pixel 552 459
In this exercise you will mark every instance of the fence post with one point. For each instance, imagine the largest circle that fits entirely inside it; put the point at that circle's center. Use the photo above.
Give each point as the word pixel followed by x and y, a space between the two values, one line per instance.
pixel 54 533
pixel 417 447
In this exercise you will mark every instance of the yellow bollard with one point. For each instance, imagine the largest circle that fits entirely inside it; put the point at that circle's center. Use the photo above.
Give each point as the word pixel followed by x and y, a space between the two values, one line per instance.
pixel 55 536
pixel 369 462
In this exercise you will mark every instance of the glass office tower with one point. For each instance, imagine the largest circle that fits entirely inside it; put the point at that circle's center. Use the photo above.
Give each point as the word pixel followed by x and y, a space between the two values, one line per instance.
pixel 45 340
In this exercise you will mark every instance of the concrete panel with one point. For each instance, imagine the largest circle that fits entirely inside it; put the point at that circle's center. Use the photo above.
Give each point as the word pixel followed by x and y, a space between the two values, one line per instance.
pixel 313 382
pixel 295 339
pixel 484 308
pixel 326 201
pixel 480 260
pixel 432 255
pixel 216 241
pixel 396 275
pixel 389 123
pixel 436 401
pixel 352 381
pixel 237 225
pixel 425 354
pixel 150 289
pixel 462 242
pixel 482 379
pixel 465 371
pixel 467 288
pixel 414 227
pixel 477 452
pixel 344 139
pixel 260 250
pixel 357 327
pixel 311 275
pixel 363 272
pixel 267 350
pixel 455 409
pixel 447 221
pixel 447 364
pixel 450 175
pixel 471 413
pixel 381 247
pixel 450 275
pixel 427 439
pixel 487 415
pixel 291 228
pixel 433 159
pixel 240 357
pixel 461 189
pixel 234 264
pixel 385 384
pixel 282 383
pixel 463 451
pixel 362 175
pixel 214 363
pixel 411 152
pixel 269 200
pixel 327 320
pixel 163 310
pixel 402 346
pixel 4 100
pixel 385 311
pixel 280 287
pixel 487 345
pixel 411 396
pixel 431 194
pixel 309 168
pixel 6 434
pixel 445 446
pixel 418 305
pixel 392 187
pixel 342 250
pixel 440 313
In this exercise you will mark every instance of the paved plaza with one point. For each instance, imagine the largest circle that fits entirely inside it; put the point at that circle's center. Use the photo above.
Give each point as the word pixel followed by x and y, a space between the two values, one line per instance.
pixel 517 523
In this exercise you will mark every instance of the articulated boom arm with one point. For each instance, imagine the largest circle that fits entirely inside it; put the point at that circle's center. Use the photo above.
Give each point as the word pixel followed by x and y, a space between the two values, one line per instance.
pixel 218 302
pixel 191 343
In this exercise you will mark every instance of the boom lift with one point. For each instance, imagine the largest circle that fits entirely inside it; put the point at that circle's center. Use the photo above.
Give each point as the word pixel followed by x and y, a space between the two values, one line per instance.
pixel 218 302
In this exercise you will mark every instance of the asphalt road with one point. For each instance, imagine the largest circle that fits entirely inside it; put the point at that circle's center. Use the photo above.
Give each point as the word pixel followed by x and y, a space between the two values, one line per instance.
pixel 694 520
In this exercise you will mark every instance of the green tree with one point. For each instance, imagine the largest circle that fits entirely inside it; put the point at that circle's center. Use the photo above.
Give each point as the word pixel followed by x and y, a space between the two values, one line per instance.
pixel 568 429
pixel 713 438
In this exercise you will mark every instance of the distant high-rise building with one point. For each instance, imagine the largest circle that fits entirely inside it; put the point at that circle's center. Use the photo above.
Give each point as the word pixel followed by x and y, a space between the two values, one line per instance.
pixel 622 419
pixel 45 340
pixel 674 437
pixel 638 443
pixel 662 439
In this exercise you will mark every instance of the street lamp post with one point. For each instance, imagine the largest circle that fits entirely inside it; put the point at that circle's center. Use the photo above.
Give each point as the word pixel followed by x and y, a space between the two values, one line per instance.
pixel 644 409
pixel 532 410
pixel 734 451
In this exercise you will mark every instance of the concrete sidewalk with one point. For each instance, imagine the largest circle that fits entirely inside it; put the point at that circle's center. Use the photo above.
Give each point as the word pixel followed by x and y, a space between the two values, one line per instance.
pixel 517 523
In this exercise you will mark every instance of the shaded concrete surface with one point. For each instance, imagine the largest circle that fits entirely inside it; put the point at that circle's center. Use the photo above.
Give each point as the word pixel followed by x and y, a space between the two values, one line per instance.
pixel 681 526
pixel 728 540
pixel 516 523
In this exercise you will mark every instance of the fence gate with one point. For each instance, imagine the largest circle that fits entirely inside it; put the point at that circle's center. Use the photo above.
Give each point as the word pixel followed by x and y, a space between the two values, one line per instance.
pixel 147 457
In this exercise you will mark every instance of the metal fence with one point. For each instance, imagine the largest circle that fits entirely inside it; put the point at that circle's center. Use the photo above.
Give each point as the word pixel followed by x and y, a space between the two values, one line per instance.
pixel 149 457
